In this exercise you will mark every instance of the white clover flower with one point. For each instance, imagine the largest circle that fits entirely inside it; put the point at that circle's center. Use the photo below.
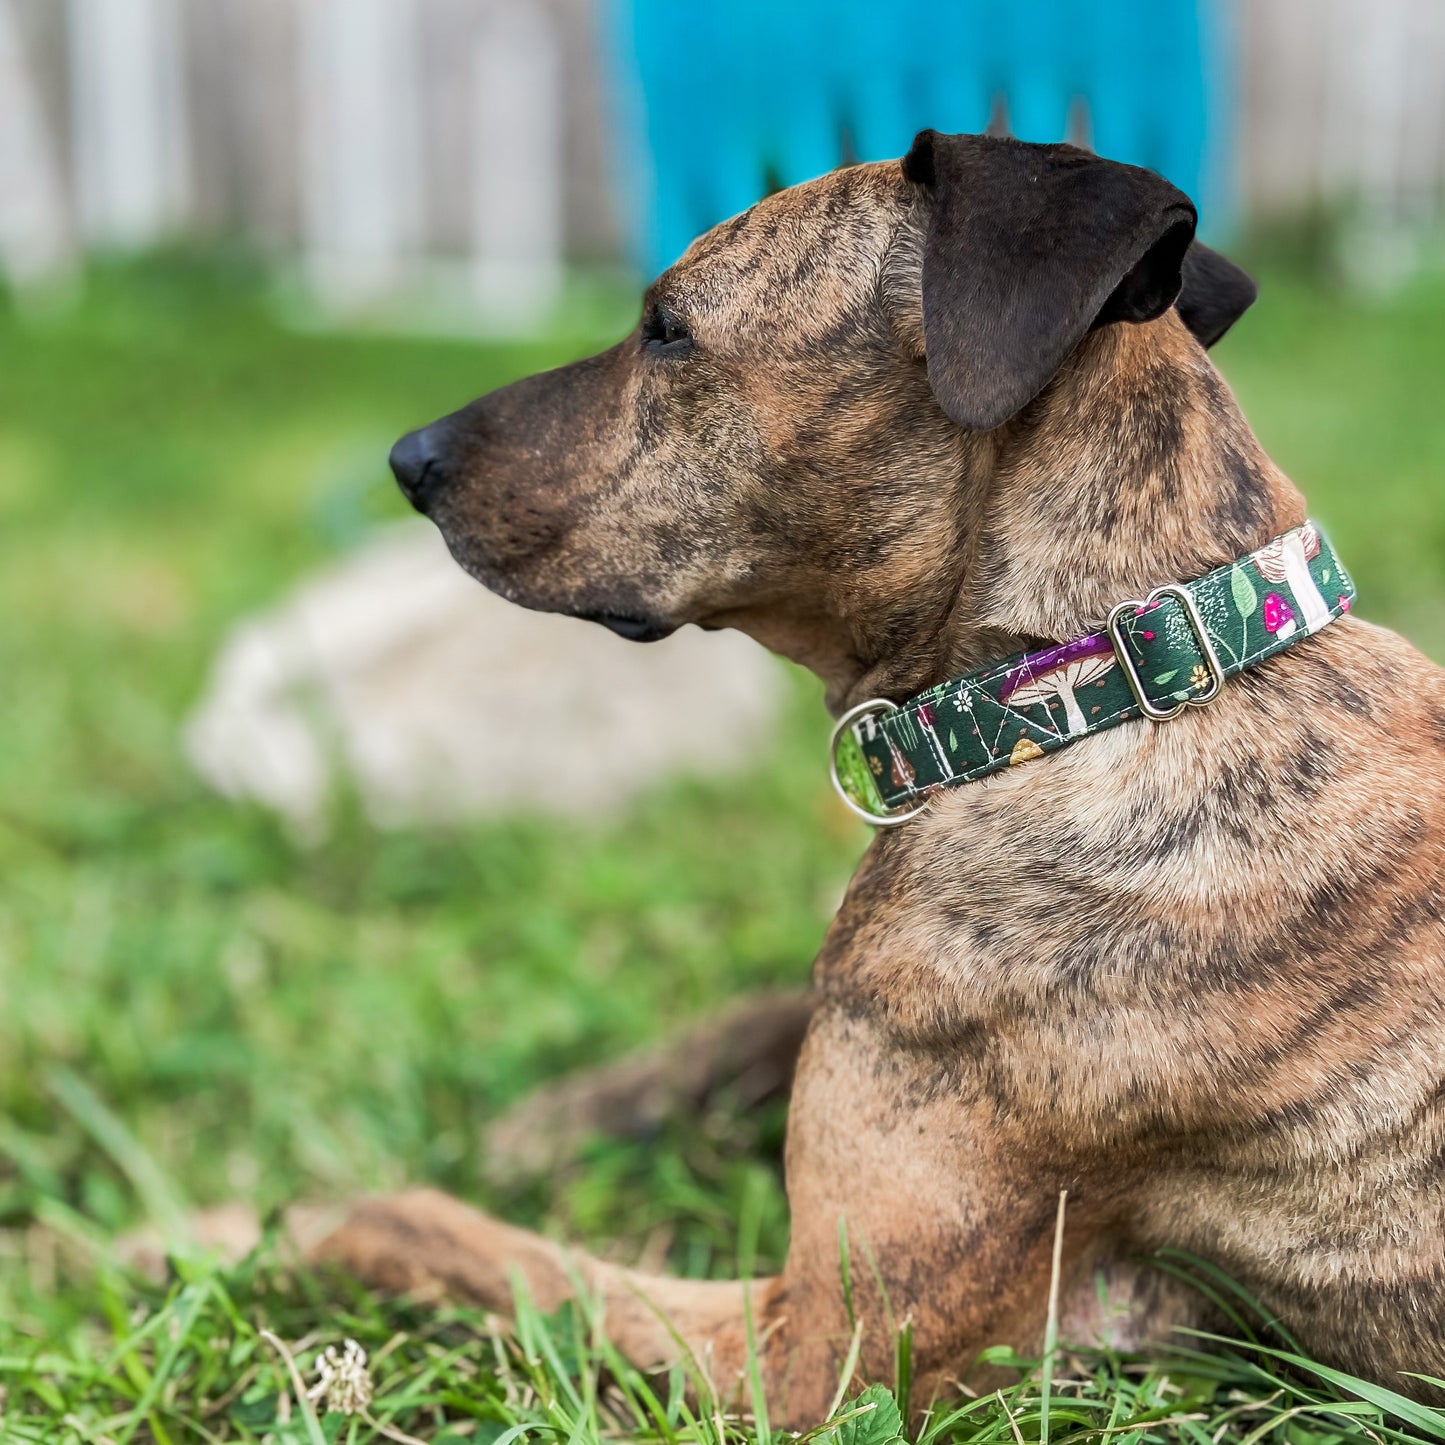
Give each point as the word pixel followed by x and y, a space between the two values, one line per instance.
pixel 342 1380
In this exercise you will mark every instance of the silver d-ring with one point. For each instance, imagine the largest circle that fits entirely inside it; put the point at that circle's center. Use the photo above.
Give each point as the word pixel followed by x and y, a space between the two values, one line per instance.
pixel 878 820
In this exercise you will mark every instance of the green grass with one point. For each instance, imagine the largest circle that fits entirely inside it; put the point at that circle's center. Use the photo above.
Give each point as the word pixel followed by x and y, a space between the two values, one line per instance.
pixel 194 1008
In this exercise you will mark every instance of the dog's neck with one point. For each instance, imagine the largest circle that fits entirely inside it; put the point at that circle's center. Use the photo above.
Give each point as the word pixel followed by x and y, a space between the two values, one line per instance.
pixel 1134 467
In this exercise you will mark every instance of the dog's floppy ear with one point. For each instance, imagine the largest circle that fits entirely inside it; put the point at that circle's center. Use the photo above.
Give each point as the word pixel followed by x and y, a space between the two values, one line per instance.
pixel 1215 295
pixel 1028 247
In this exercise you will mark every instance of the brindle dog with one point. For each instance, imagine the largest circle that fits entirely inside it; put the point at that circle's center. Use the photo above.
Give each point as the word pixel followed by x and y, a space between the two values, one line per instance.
pixel 898 423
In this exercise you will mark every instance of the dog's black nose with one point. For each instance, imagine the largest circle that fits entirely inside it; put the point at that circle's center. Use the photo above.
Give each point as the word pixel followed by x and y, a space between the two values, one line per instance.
pixel 416 462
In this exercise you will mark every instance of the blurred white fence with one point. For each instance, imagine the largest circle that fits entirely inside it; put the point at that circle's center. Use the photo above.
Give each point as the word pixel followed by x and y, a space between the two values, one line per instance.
pixel 393 144
pixel 36 243
pixel 395 147
pixel 1344 100
pixel 130 132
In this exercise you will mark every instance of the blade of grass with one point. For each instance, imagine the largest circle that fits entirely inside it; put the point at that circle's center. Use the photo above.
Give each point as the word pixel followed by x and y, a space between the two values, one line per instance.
pixel 903 1367
pixel 303 1402
pixel 160 1200
pixel 882 1287
pixel 180 1321
pixel 1051 1326
pixel 845 1266
pixel 845 1375
pixel 749 1225
pixel 1422 1417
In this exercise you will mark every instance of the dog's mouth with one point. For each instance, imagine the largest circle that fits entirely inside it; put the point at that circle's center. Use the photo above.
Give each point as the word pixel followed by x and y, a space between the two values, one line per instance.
pixel 634 629
pixel 634 626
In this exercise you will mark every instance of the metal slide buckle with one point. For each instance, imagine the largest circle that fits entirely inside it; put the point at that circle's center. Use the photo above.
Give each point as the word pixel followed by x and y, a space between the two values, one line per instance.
pixel 1114 627
pixel 863 709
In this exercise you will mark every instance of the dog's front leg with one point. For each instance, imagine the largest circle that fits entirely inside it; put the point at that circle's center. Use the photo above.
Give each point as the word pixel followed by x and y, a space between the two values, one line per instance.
pixel 945 1230
pixel 422 1239
pixel 950 1220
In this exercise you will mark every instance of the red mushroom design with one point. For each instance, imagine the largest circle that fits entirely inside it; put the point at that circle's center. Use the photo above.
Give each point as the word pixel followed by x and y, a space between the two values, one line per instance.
pixel 1059 672
pixel 1287 560
pixel 1278 617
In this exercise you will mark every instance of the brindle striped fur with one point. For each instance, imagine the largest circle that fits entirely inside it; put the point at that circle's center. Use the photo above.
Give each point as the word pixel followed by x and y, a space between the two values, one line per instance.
pixel 1192 973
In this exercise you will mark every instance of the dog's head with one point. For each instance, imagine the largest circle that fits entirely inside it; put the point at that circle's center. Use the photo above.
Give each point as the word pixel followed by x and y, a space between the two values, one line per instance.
pixel 788 441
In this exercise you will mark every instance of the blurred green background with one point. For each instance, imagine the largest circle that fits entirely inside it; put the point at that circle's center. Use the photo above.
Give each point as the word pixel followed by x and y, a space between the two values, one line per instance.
pixel 196 1007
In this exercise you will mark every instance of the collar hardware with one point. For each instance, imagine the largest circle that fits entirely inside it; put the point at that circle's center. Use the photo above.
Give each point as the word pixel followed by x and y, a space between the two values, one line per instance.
pixel 863 715
pixel 1211 663
pixel 1154 658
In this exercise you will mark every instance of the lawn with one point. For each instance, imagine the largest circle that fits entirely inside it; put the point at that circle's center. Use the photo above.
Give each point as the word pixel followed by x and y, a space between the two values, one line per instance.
pixel 196 1008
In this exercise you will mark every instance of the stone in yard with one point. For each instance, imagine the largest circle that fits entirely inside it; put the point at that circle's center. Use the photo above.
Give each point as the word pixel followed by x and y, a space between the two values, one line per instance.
pixel 437 702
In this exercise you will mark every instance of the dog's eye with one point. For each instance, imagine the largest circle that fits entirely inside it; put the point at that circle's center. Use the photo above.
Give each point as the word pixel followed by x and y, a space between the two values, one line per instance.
pixel 664 332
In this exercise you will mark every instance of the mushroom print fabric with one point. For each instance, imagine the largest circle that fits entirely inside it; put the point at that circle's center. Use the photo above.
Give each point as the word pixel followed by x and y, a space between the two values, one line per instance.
pixel 1287 559
pixel 1060 673
pixel 1036 702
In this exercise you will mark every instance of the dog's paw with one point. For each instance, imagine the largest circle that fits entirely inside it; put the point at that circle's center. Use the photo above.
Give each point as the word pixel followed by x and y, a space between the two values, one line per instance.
pixel 226 1233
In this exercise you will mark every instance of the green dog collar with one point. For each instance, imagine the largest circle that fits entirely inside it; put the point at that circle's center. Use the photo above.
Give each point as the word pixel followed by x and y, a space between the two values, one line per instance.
pixel 1154 657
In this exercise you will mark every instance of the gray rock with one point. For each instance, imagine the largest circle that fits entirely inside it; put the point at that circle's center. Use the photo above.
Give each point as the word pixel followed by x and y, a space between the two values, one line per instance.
pixel 438 702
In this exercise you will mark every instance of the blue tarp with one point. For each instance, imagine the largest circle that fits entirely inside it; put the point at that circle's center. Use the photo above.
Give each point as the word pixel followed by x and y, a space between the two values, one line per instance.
pixel 718 101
